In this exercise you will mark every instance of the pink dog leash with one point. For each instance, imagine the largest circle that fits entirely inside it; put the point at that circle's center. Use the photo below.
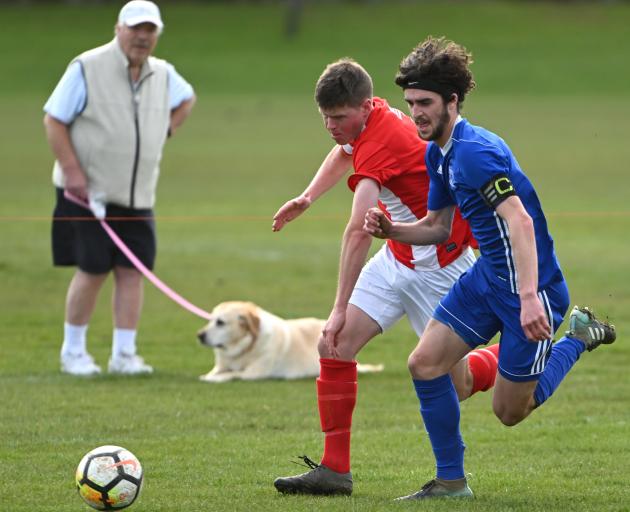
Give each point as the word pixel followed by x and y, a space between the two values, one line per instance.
pixel 171 294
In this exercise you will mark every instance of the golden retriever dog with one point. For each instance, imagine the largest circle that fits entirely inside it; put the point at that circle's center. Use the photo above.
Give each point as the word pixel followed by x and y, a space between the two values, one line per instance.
pixel 250 343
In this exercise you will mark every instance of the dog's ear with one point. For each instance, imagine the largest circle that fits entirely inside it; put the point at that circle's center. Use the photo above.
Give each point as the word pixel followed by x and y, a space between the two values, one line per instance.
pixel 251 321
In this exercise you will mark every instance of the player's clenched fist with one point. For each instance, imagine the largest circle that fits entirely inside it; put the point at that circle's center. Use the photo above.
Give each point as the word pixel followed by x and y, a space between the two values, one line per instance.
pixel 377 224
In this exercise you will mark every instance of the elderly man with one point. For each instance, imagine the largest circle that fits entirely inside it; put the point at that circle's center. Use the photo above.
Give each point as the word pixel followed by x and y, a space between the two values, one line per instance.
pixel 106 122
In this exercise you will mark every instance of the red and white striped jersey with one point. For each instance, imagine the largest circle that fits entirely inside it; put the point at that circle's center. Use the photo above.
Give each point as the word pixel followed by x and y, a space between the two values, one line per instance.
pixel 390 152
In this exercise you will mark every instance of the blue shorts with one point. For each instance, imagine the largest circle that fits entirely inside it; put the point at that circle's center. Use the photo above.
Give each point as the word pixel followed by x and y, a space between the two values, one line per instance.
pixel 477 309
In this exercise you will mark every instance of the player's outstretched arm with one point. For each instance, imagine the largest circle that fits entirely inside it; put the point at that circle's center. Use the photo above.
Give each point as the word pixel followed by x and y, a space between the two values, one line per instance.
pixel 289 211
pixel 434 228
pixel 523 240
pixel 332 169
pixel 355 246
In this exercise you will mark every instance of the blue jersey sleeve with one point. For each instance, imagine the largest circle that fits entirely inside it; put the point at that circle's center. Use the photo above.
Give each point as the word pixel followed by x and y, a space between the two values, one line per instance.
pixel 482 162
pixel 439 195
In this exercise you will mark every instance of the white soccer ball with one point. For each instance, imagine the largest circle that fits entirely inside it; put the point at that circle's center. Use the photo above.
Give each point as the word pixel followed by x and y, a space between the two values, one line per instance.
pixel 109 478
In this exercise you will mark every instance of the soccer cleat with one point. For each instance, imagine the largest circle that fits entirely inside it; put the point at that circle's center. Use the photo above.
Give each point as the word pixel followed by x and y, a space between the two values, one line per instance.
pixel 128 364
pixel 585 327
pixel 438 488
pixel 319 480
pixel 79 364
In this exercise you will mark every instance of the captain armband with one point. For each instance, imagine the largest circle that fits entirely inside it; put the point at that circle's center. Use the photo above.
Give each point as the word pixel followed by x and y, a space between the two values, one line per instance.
pixel 497 190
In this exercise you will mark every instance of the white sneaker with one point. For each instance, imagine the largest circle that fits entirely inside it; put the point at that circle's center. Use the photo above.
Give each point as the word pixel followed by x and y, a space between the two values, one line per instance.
pixel 79 364
pixel 128 364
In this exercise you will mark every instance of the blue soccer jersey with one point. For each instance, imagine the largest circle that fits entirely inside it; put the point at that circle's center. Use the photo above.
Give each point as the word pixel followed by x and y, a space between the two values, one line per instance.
pixel 469 173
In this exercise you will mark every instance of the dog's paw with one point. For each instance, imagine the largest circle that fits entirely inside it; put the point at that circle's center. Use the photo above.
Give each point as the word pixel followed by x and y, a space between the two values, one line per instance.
pixel 216 377
pixel 370 368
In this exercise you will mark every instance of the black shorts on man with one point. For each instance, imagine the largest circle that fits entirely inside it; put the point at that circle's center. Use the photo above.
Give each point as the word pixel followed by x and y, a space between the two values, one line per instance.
pixel 78 239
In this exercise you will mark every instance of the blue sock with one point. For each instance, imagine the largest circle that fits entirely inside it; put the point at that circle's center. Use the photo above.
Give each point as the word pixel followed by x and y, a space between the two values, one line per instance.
pixel 439 407
pixel 564 354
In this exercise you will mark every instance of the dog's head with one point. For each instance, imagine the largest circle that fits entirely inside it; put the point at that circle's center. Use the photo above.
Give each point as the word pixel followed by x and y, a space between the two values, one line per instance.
pixel 232 327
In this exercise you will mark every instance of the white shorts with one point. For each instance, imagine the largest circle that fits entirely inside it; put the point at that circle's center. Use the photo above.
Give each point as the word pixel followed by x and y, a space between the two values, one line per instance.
pixel 387 290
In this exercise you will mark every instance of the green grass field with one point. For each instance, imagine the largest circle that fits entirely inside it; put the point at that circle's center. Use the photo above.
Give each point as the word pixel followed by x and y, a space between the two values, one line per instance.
pixel 553 80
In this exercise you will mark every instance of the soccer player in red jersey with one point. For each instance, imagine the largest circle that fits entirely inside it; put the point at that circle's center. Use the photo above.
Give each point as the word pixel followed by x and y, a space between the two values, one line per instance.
pixel 383 147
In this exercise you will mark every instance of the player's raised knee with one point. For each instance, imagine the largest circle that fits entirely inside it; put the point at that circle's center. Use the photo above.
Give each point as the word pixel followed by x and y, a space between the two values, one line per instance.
pixel 507 416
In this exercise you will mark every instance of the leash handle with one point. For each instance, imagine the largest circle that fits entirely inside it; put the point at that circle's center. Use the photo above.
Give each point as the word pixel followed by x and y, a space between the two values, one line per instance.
pixel 160 285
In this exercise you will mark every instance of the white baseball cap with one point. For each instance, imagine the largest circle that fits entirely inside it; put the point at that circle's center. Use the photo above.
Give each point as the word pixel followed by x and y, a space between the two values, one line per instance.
pixel 140 11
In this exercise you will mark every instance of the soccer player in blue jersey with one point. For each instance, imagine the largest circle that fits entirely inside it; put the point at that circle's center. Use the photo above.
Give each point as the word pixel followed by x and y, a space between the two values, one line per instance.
pixel 516 287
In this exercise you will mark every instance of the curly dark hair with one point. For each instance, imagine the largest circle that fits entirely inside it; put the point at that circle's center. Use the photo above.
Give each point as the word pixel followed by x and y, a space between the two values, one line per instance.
pixel 343 83
pixel 441 63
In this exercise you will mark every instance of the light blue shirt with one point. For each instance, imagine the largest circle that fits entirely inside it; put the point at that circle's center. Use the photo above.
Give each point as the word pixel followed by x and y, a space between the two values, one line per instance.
pixel 69 97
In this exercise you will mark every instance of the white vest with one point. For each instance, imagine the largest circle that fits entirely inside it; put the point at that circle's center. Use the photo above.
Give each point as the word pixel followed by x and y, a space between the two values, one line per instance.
pixel 119 136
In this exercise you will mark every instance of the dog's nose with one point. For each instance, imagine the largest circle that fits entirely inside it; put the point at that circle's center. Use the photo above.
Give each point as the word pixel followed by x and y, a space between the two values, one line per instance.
pixel 202 337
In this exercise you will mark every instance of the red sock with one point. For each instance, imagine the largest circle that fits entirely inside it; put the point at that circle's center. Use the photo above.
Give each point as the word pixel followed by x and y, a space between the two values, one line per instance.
pixel 336 396
pixel 483 364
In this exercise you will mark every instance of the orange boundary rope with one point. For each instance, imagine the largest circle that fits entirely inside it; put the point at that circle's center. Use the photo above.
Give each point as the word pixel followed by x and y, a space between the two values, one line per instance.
pixel 204 218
